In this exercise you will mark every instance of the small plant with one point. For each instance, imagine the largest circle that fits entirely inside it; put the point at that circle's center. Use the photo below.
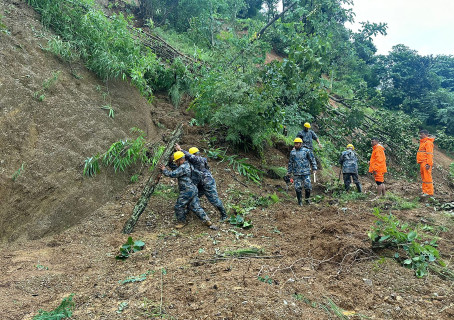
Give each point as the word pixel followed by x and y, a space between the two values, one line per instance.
pixel 244 252
pixel 265 279
pixel 3 27
pixel 41 267
pixel 412 250
pixel 130 247
pixel 238 219
pixel 123 154
pixel 40 94
pixel 110 109
pixel 139 278
pixel 18 172
pixel 122 306
pixel 240 165
pixel 63 311
pixel 451 171
pixel 165 191
pixel 134 178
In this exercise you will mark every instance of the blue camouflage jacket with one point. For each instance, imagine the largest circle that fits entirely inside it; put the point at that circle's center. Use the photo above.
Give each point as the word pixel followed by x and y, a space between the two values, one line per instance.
pixel 183 173
pixel 301 161
pixel 307 137
pixel 349 162
pixel 199 162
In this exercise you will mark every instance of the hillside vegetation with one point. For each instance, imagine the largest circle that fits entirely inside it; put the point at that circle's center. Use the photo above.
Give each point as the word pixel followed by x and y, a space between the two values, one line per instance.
pixel 92 91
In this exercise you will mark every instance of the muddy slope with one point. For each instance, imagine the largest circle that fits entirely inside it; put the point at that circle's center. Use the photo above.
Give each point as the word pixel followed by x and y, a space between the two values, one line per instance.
pixel 51 138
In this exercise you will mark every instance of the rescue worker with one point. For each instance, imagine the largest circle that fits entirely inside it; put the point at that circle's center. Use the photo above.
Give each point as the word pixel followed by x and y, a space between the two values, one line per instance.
pixel 299 166
pixel 377 165
pixel 207 185
pixel 349 162
pixel 307 135
pixel 425 158
pixel 187 191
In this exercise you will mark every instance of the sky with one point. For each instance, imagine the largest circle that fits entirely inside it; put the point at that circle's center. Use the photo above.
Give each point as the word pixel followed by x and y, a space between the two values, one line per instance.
pixel 426 26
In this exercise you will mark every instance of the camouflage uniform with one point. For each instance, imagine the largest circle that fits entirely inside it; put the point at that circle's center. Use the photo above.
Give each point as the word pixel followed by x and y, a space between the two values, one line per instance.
pixel 349 162
pixel 299 165
pixel 307 137
pixel 207 185
pixel 188 193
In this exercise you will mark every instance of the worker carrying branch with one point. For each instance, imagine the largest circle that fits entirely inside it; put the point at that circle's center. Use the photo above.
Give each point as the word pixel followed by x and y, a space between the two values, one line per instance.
pixel 187 191
pixel 349 162
pixel 207 185
pixel 425 158
pixel 377 165
pixel 299 166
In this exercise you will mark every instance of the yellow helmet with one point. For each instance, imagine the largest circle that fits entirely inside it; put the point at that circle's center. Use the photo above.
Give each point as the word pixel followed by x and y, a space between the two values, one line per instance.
pixel 298 140
pixel 193 150
pixel 307 125
pixel 177 155
pixel 350 146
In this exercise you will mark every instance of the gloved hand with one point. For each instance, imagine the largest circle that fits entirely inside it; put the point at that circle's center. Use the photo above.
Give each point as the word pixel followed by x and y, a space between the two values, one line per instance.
pixel 291 180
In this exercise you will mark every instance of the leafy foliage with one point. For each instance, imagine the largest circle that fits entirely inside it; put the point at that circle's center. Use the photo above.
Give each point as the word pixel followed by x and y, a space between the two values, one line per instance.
pixel 123 154
pixel 18 172
pixel 412 251
pixel 106 45
pixel 138 278
pixel 40 94
pixel 63 311
pixel 129 247
pixel 240 165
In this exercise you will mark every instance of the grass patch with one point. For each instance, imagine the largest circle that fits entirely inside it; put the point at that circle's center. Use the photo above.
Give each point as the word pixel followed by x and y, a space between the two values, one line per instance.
pixel 63 311
pixel 399 203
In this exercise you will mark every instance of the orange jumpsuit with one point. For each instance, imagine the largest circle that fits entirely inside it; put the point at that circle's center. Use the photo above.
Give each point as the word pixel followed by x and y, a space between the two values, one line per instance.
pixel 377 163
pixel 425 156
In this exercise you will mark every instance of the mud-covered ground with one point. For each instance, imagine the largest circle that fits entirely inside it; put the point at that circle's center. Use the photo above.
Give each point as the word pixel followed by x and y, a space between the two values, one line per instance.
pixel 60 232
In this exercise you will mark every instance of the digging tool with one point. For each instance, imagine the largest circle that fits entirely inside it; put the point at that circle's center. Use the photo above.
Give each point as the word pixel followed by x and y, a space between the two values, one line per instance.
pixel 315 178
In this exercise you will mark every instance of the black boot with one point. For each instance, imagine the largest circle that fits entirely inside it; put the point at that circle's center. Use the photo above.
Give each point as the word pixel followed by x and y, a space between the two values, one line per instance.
pixel 223 214
pixel 299 196
pixel 307 195
pixel 359 187
pixel 347 187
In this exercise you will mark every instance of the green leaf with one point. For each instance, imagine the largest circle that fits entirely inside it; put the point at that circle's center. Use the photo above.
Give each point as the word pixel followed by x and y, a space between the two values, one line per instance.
pixel 407 261
pixel 412 235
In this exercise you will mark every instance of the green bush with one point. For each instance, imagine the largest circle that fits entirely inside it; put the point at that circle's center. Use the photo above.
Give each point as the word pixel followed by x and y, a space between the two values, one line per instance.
pixel 106 45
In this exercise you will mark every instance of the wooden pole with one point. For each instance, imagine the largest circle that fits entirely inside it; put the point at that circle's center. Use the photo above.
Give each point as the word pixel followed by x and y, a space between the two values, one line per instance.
pixel 152 182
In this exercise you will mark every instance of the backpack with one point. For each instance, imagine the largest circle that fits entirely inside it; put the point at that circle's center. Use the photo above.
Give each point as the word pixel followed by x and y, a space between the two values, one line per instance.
pixel 196 175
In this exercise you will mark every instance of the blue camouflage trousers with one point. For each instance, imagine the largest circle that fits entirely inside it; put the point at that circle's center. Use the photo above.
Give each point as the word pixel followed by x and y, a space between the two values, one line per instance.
pixel 208 188
pixel 302 181
pixel 188 199
pixel 347 179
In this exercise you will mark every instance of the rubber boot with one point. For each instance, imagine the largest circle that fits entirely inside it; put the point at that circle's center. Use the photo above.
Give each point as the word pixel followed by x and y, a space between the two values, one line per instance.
pixel 299 196
pixel 359 187
pixel 223 214
pixel 347 187
pixel 307 195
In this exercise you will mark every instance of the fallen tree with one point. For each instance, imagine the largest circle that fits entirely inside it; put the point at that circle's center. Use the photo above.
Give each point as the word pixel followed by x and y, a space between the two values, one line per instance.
pixel 152 182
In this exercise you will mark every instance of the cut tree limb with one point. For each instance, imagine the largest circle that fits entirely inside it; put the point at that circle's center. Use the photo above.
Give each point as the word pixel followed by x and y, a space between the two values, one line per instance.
pixel 152 182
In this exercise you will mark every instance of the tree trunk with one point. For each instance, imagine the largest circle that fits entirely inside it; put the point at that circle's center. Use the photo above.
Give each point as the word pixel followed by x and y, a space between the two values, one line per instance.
pixel 152 182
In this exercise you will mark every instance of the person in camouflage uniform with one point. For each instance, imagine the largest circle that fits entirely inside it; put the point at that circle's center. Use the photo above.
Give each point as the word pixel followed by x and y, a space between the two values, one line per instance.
pixel 207 185
pixel 299 166
pixel 307 136
pixel 349 162
pixel 187 191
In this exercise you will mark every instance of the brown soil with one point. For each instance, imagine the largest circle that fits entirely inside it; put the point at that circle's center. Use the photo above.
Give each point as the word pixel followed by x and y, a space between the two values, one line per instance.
pixel 60 232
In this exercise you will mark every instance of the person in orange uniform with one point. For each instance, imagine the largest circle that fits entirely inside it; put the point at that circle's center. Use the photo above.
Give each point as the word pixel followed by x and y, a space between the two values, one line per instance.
pixel 377 165
pixel 425 158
